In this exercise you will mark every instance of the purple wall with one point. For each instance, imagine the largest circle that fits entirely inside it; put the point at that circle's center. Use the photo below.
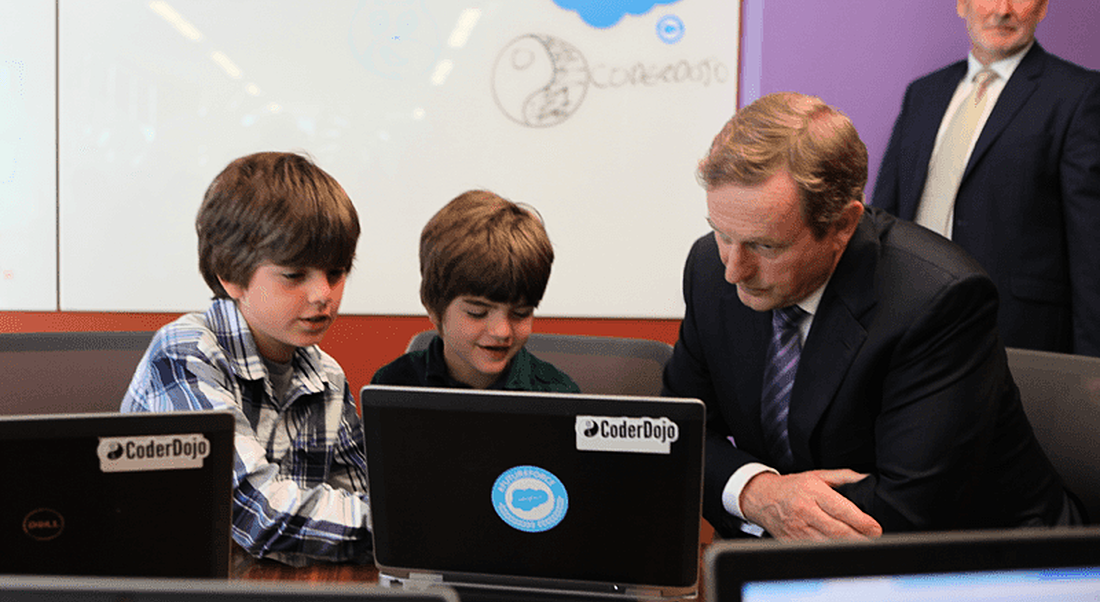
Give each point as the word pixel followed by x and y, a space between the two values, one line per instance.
pixel 858 55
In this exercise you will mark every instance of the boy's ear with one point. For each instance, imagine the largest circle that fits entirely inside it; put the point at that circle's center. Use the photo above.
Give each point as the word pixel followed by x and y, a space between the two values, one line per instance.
pixel 435 321
pixel 235 291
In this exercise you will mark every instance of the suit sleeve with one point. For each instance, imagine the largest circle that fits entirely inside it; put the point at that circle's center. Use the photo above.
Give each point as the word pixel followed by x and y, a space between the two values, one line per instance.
pixel 944 391
pixel 688 374
pixel 1080 182
pixel 887 184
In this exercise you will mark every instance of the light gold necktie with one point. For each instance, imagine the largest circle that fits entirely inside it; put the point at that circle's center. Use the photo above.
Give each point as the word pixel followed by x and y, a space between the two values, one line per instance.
pixel 945 170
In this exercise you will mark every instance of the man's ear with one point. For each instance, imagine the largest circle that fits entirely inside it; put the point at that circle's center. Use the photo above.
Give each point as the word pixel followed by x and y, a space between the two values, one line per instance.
pixel 849 219
pixel 235 291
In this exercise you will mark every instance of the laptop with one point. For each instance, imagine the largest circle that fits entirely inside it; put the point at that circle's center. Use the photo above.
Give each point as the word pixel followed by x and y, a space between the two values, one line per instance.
pixel 112 494
pixel 522 495
pixel 961 566
pixel 128 589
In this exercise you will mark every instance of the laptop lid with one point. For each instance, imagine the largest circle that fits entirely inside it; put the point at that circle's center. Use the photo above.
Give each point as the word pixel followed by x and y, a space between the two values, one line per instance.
pixel 115 494
pixel 961 566
pixel 125 589
pixel 536 491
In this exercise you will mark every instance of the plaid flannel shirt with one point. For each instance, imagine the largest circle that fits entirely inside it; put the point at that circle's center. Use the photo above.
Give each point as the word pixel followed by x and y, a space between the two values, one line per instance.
pixel 300 474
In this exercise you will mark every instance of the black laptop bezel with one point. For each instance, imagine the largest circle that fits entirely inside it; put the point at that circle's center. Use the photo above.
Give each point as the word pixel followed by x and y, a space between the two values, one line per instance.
pixel 728 565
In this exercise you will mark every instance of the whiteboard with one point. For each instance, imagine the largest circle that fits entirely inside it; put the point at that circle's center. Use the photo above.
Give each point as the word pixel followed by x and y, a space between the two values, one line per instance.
pixel 595 118
pixel 28 164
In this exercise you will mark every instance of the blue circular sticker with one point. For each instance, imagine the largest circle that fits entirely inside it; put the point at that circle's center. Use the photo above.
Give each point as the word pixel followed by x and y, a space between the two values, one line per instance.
pixel 670 29
pixel 530 499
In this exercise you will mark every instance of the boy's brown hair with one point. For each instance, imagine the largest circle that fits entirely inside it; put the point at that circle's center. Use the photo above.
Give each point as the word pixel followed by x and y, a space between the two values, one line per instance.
pixel 483 245
pixel 273 207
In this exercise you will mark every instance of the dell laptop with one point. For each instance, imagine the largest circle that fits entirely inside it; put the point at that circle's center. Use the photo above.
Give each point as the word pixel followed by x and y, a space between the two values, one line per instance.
pixel 112 494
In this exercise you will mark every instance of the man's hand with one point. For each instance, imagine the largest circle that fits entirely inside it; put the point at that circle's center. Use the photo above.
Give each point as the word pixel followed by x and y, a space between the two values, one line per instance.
pixel 805 506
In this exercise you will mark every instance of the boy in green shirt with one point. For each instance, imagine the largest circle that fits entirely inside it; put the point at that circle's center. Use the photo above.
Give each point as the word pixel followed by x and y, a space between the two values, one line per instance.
pixel 484 265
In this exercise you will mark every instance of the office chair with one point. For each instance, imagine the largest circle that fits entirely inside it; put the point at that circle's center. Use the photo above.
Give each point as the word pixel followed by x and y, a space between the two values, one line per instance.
pixel 1061 396
pixel 604 365
pixel 67 372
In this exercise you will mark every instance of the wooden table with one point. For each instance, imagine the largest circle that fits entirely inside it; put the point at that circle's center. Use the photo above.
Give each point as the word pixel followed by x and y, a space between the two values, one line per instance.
pixel 244 566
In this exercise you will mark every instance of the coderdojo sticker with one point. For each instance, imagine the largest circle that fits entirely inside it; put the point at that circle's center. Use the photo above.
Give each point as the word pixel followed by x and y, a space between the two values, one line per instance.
pixel 626 434
pixel 152 452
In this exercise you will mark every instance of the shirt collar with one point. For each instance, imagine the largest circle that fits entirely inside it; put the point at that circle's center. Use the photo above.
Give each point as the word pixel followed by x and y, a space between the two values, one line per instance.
pixel 235 337
pixel 1003 68
pixel 512 377
pixel 810 302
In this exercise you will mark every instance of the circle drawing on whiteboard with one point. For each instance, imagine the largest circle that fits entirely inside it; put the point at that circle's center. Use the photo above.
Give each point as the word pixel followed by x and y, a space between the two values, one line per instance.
pixel 539 80
pixel 670 29
pixel 530 499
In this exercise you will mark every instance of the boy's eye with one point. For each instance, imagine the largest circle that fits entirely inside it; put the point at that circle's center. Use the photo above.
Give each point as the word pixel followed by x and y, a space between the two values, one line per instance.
pixel 335 275
pixel 476 313
pixel 293 275
pixel 522 314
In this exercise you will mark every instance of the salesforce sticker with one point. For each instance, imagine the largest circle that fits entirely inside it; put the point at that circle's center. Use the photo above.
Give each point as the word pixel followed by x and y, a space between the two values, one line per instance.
pixel 530 499
pixel 626 434
pixel 152 452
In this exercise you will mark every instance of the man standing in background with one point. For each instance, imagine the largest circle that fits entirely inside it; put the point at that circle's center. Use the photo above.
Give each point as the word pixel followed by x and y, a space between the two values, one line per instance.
pixel 1001 153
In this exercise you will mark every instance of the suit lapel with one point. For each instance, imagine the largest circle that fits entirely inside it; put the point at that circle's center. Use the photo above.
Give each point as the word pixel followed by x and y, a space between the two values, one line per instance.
pixel 834 340
pixel 1017 90
pixel 747 367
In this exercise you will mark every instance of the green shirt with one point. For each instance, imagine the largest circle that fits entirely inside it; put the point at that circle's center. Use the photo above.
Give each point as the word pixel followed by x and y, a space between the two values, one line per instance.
pixel 427 368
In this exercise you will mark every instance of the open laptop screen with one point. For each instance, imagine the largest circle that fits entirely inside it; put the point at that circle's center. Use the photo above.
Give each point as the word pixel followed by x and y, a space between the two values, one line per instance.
pixel 535 488
pixel 1019 585
pixel 910 567
pixel 111 494
pixel 126 589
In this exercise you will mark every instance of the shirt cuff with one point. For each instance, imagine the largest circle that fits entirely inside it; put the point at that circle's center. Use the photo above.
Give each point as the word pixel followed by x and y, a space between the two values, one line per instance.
pixel 731 495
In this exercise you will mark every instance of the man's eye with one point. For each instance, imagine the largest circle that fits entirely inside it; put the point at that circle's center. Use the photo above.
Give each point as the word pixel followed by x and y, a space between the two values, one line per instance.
pixel 766 250
pixel 476 313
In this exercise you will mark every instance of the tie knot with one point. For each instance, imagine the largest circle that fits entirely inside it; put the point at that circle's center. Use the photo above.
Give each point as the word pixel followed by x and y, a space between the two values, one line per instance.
pixel 982 79
pixel 788 317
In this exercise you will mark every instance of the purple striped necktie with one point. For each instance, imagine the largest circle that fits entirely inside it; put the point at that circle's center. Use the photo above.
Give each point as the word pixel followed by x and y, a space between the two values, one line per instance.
pixel 782 364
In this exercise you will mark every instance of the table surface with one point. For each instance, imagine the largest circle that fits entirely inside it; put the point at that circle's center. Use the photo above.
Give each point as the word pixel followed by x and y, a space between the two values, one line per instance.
pixel 244 566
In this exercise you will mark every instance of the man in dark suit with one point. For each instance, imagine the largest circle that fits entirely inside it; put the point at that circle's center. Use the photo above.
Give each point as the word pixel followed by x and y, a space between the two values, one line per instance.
pixel 902 414
pixel 1026 200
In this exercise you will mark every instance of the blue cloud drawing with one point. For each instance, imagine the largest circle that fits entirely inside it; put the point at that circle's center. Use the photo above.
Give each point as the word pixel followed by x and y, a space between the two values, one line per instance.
pixel 606 13
pixel 528 499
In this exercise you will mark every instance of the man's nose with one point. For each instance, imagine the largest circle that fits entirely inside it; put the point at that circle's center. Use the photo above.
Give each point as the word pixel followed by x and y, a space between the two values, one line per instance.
pixel 738 265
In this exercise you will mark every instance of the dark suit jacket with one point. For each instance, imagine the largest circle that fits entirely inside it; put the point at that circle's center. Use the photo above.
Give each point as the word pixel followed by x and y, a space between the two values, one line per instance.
pixel 1028 206
pixel 902 376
